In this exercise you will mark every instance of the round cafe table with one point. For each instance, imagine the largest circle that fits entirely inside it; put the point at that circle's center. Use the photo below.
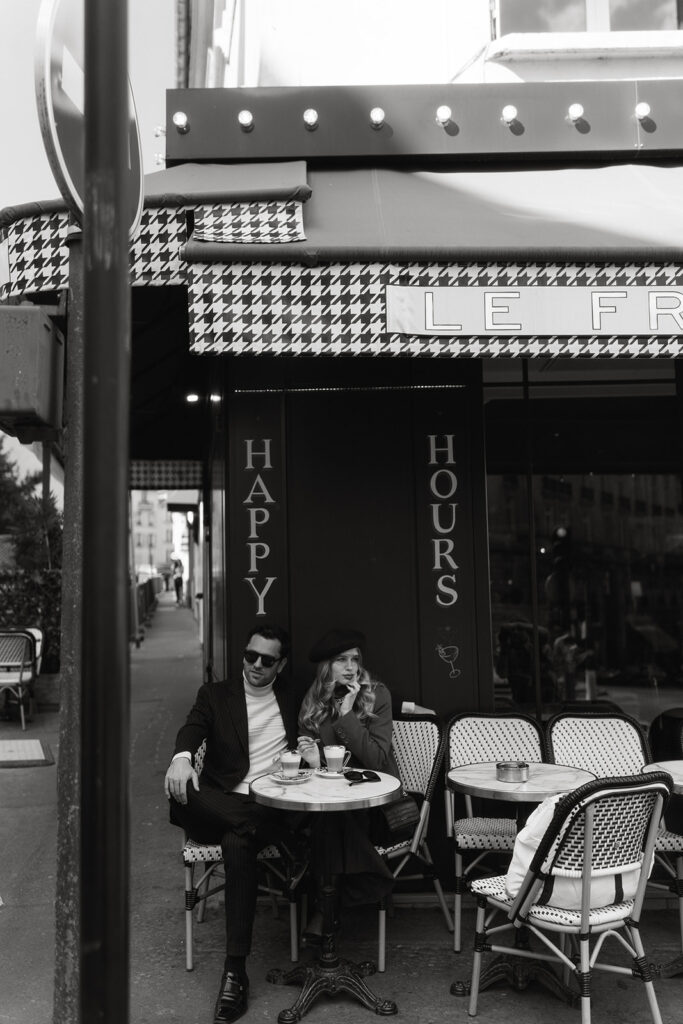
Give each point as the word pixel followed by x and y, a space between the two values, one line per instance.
pixel 544 780
pixel 329 973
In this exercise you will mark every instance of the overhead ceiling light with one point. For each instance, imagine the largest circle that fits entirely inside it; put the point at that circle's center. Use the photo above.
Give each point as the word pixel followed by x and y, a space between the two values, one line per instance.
pixel 443 115
pixel 311 119
pixel 377 117
pixel 181 122
pixel 575 112
pixel 509 114
pixel 246 120
pixel 642 110
pixel 192 397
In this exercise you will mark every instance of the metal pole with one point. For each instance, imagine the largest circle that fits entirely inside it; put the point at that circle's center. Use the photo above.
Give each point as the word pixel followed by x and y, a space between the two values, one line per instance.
pixel 106 696
pixel 67 902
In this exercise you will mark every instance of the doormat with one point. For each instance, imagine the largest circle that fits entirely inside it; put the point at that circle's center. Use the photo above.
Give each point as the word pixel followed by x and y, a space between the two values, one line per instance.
pixel 24 753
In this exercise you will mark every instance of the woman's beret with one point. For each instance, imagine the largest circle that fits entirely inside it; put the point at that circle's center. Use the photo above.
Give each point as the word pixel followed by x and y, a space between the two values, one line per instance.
pixel 334 642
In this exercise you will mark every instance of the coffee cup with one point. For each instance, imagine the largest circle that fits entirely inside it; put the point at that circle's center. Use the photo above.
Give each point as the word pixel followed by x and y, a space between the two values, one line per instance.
pixel 289 763
pixel 336 757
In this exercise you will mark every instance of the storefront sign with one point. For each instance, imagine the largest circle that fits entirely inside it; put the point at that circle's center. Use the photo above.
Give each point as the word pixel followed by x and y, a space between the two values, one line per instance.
pixel 257 464
pixel 549 311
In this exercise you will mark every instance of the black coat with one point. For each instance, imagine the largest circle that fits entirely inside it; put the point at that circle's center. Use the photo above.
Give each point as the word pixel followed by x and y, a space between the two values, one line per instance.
pixel 219 716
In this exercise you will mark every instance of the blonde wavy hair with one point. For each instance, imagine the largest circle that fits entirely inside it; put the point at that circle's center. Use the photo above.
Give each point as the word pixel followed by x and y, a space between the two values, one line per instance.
pixel 319 702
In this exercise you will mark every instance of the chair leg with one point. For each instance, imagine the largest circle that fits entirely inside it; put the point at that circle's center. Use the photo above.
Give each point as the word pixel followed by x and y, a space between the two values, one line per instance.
pixel 457 902
pixel 201 900
pixel 476 961
pixel 21 712
pixel 189 910
pixel 437 887
pixel 382 938
pixel 585 981
pixel 645 974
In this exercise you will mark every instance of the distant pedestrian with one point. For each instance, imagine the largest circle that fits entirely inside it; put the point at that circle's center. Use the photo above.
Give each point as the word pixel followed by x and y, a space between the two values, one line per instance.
pixel 178 580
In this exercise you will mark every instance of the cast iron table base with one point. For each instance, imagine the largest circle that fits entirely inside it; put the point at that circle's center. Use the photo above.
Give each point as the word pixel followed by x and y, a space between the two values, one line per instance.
pixel 670 970
pixel 520 972
pixel 330 975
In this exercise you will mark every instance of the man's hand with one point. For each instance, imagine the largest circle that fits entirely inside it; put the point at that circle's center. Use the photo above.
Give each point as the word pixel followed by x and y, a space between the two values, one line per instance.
pixel 308 749
pixel 178 775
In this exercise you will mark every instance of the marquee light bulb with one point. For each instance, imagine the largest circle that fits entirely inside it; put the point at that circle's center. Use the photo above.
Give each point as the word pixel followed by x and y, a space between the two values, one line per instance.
pixel 246 120
pixel 311 119
pixel 443 115
pixel 377 117
pixel 642 110
pixel 575 112
pixel 181 122
pixel 509 114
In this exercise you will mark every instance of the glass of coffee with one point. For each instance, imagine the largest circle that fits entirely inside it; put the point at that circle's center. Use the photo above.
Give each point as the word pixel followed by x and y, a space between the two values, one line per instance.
pixel 336 757
pixel 289 762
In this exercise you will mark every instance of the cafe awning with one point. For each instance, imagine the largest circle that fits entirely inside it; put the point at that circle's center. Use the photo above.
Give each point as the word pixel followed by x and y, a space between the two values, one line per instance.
pixel 278 257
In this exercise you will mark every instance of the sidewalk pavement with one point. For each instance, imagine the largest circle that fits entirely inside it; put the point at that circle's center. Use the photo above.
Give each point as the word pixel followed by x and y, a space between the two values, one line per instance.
pixel 166 672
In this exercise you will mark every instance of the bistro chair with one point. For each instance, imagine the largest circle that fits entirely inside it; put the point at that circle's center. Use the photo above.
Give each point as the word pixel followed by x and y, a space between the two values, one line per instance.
pixel 418 747
pixel 18 668
pixel 282 877
pixel 611 744
pixel 474 738
pixel 606 828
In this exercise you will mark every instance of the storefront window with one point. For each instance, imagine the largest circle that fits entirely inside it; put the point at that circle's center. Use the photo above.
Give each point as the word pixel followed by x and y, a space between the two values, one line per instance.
pixel 587 15
pixel 600 504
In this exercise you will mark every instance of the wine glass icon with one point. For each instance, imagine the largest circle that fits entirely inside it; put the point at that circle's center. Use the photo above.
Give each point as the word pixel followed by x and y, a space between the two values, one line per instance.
pixel 449 655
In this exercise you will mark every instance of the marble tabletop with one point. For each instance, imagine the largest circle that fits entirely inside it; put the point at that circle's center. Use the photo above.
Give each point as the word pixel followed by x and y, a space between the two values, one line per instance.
pixel 674 768
pixel 544 780
pixel 321 793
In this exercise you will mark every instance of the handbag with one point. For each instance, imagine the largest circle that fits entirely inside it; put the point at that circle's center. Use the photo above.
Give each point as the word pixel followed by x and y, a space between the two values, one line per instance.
pixel 398 820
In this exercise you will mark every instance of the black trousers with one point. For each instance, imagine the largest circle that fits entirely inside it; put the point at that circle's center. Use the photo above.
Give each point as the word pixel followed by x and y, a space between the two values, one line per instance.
pixel 242 827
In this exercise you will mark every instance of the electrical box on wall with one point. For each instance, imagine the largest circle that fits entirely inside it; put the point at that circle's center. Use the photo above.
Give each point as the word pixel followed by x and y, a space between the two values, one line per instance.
pixel 31 374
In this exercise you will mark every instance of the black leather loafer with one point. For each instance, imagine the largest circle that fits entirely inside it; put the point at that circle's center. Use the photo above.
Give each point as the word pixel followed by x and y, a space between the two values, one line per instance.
pixel 232 998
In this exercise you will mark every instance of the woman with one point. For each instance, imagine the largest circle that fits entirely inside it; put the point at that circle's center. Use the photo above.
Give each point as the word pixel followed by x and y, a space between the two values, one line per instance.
pixel 346 706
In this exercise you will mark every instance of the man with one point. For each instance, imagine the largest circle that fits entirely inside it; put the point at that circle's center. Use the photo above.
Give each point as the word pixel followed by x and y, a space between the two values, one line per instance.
pixel 246 725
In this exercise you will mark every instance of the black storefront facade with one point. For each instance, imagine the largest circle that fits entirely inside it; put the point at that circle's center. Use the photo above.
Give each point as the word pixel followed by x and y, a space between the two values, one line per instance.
pixel 414 359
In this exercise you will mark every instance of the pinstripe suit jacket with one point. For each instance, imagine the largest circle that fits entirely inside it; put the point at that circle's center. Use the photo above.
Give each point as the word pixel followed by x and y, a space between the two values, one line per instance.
pixel 219 716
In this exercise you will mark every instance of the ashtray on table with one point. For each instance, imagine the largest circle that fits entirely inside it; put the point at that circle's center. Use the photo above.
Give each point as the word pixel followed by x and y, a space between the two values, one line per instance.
pixel 512 771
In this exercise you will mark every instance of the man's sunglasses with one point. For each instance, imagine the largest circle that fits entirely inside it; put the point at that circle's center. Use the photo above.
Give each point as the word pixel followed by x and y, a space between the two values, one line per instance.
pixel 267 660
pixel 361 775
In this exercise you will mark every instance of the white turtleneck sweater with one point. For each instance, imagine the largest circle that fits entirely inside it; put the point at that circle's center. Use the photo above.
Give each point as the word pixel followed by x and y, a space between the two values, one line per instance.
pixel 267 737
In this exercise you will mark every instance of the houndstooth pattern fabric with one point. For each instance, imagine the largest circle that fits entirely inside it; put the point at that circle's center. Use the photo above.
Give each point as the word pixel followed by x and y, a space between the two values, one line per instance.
pixel 170 474
pixel 339 309
pixel 494 888
pixel 249 222
pixel 37 255
pixel 156 252
pixel 476 738
pixel 604 745
pixel 485 833
pixel 416 745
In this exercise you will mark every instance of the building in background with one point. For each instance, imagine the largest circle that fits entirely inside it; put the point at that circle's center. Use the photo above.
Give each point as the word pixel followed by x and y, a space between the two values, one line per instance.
pixel 406 314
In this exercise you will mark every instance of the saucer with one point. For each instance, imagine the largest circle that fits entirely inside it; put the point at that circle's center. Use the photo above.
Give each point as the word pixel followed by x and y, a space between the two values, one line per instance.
pixel 325 773
pixel 290 780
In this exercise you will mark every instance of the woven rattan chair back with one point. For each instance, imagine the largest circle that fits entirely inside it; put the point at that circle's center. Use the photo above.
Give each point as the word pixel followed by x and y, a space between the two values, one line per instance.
pixel 417 748
pixel 605 744
pixel 474 738
pixel 619 824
